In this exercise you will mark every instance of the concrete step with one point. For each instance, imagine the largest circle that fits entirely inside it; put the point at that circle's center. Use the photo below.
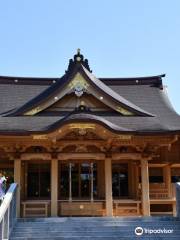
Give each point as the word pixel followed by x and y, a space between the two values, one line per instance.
pixel 98 219
pixel 97 238
pixel 94 228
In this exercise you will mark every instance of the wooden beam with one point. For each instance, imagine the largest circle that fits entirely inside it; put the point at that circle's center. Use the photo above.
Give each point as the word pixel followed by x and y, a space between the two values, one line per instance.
pixel 81 156
pixel 175 165
pixel 54 187
pixel 145 188
pixel 126 156
pixel 108 187
pixel 17 179
pixel 31 156
pixel 65 142
pixel 155 165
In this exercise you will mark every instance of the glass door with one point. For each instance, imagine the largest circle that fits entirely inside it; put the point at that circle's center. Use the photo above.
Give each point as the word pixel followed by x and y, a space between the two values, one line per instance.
pixel 78 180
pixel 120 180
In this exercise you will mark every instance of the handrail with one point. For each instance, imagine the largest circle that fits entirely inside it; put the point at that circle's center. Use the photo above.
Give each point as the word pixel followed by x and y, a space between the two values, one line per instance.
pixel 8 212
pixel 178 199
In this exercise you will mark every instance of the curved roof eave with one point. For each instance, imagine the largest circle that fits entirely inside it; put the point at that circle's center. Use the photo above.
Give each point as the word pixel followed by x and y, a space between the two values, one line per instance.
pixel 49 92
pixel 121 100
pixel 133 78
pixel 87 118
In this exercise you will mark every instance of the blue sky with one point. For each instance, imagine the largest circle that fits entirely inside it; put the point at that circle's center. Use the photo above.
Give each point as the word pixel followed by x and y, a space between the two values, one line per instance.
pixel 119 37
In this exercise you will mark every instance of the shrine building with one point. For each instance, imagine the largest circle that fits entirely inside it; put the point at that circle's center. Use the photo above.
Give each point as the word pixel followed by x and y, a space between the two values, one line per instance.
pixel 81 145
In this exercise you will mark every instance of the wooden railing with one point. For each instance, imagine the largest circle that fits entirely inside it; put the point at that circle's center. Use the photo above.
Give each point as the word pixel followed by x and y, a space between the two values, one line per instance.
pixel 161 195
pixel 160 191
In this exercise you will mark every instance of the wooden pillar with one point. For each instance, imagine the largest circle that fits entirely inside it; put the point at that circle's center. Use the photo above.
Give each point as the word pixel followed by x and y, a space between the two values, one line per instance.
pixel 145 187
pixel 108 187
pixel 167 179
pixel 54 187
pixel 136 180
pixel 70 182
pixel 17 179
pixel 92 182
pixel 130 180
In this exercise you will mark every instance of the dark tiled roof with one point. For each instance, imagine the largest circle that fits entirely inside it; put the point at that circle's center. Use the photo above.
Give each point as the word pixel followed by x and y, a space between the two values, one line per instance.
pixel 58 86
pixel 143 94
pixel 113 94
pixel 150 98
pixel 13 95
pixel 30 124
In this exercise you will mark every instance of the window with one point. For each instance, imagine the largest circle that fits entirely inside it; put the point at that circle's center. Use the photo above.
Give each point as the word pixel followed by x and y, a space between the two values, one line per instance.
pixel 64 181
pixel 38 180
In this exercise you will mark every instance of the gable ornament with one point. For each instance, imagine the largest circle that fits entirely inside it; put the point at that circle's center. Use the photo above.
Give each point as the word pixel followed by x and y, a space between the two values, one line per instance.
pixel 79 85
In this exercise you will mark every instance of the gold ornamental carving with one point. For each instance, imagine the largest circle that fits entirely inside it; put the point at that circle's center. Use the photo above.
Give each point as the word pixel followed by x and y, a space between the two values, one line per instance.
pixel 81 126
pixel 40 137
pixel 124 112
pixel 124 137
pixel 78 80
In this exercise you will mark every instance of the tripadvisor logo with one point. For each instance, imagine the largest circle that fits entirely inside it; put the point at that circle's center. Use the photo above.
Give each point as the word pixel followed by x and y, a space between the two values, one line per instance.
pixel 138 231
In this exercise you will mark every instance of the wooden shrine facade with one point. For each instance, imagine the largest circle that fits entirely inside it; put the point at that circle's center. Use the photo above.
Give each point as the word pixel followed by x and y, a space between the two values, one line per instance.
pixel 85 146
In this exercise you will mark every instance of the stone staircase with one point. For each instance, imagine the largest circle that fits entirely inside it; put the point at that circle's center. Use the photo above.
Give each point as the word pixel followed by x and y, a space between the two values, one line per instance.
pixel 96 228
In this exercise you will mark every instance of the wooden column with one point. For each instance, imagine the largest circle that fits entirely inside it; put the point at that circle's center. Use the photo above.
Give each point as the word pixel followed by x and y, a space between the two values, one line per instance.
pixel 17 179
pixel 108 187
pixel 136 180
pixel 130 180
pixel 145 187
pixel 54 187
pixel 167 178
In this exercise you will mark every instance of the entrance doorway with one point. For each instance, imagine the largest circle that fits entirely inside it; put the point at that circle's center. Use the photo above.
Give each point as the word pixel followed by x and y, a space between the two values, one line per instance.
pixel 81 188
pixel 78 180
pixel 120 180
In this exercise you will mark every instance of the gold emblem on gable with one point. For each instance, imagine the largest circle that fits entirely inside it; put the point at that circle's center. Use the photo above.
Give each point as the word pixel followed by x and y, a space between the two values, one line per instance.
pixel 78 82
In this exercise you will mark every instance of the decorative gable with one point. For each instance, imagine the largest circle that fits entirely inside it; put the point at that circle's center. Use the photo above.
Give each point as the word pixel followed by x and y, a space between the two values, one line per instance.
pixel 80 83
